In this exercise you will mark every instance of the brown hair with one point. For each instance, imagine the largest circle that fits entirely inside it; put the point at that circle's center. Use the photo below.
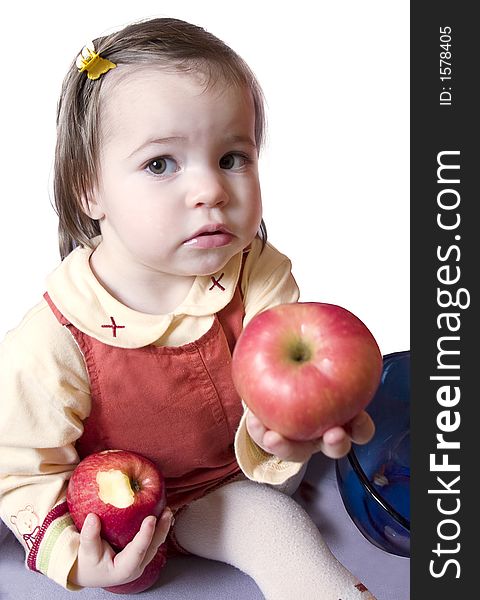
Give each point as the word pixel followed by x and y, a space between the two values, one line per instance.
pixel 163 41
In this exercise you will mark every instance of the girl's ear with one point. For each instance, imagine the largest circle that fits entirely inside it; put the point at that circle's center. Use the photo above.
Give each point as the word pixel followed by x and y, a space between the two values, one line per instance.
pixel 91 206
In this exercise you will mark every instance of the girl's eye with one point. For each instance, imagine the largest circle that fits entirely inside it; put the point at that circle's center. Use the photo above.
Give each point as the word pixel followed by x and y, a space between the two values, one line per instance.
pixel 233 161
pixel 162 165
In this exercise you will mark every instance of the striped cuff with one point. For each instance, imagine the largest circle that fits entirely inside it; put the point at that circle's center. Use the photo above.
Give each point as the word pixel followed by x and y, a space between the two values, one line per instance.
pixel 52 559
pixel 54 523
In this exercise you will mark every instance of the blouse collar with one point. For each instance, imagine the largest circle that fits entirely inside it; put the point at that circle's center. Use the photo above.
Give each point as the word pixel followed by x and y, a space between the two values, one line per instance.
pixel 86 304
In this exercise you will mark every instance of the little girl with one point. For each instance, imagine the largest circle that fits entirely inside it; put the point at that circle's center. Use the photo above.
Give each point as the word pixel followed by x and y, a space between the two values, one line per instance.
pixel 165 260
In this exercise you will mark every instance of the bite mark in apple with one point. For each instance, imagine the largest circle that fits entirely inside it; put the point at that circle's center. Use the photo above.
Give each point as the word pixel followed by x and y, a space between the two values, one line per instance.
pixel 114 488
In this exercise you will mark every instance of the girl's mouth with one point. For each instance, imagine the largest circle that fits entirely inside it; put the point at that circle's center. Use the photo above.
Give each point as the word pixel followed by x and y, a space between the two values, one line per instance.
pixel 210 236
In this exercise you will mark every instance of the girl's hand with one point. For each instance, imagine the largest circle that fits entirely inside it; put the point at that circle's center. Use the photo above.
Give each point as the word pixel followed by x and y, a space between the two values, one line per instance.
pixel 98 565
pixel 334 443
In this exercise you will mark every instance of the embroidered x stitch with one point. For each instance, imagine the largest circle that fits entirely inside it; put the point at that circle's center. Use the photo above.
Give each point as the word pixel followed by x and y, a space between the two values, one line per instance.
pixel 216 283
pixel 114 326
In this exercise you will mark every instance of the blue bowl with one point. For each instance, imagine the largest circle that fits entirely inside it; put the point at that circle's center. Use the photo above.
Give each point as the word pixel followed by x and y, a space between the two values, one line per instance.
pixel 374 478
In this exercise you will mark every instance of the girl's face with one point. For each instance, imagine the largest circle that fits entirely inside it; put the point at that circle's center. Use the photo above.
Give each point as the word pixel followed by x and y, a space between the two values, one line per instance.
pixel 178 188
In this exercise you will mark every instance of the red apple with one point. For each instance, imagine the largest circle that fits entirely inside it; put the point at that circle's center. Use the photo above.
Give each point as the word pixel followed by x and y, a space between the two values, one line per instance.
pixel 122 488
pixel 119 486
pixel 305 367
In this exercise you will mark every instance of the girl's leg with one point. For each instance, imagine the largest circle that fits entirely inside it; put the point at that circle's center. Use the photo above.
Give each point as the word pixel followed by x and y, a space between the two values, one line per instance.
pixel 267 535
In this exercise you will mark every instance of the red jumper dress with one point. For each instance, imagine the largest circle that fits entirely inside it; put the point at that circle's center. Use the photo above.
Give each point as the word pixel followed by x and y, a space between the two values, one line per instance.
pixel 175 405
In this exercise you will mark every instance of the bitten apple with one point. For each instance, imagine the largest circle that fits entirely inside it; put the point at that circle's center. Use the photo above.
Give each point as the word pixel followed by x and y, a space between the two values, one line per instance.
pixel 119 486
pixel 122 488
pixel 305 367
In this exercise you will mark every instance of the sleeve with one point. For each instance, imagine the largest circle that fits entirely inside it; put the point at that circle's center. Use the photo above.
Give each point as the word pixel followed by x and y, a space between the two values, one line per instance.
pixel 266 282
pixel 45 397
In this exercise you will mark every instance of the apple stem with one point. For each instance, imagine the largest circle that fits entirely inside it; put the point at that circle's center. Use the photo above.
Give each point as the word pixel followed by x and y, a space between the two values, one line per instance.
pixel 300 352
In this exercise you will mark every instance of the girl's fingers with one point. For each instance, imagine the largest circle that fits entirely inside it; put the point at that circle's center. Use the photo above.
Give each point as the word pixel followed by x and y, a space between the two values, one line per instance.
pixel 334 443
pixel 128 561
pixel 164 522
pixel 270 441
pixel 361 428
pixel 91 544
pixel 286 449
pixel 256 429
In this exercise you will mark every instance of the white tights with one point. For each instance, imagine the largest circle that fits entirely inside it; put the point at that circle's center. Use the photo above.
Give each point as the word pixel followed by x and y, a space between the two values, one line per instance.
pixel 266 534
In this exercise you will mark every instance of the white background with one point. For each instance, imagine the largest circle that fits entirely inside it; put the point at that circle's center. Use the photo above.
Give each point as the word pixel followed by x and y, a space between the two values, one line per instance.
pixel 335 173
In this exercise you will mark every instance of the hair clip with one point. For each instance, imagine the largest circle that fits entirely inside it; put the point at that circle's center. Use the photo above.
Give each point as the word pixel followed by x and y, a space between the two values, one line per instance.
pixel 91 62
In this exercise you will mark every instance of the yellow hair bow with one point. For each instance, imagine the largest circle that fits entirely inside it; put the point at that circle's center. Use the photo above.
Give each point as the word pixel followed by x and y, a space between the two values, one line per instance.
pixel 88 60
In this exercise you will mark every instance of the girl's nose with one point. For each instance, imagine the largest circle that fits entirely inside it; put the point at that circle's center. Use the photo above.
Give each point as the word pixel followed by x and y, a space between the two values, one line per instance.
pixel 207 191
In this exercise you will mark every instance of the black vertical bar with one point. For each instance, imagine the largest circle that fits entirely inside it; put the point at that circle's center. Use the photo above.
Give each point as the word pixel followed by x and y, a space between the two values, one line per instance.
pixel 444 301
